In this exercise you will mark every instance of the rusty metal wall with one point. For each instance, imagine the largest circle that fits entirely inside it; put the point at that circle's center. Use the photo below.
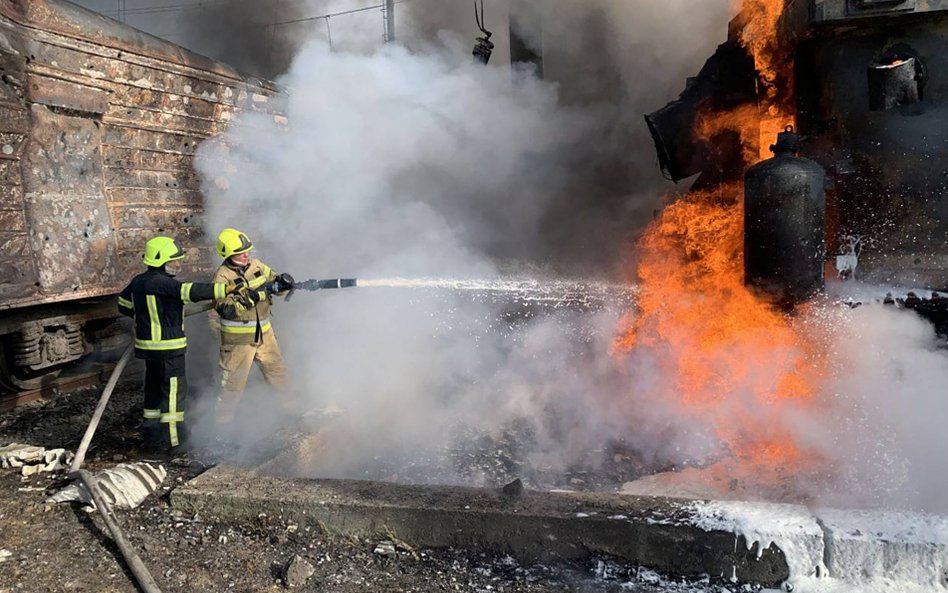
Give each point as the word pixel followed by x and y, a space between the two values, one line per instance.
pixel 99 123
pixel 889 167
pixel 838 10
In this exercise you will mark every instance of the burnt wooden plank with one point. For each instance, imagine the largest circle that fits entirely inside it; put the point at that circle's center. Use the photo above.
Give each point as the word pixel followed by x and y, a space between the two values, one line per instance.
pixel 12 221
pixel 163 120
pixel 158 76
pixel 158 179
pixel 11 197
pixel 11 144
pixel 157 218
pixel 15 246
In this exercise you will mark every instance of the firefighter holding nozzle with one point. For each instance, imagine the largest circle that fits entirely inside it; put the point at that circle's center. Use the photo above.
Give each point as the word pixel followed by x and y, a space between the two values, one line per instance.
pixel 246 332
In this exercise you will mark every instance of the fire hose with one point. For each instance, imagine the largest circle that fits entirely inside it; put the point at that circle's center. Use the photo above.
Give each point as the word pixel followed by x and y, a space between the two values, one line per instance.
pixel 107 393
pixel 134 562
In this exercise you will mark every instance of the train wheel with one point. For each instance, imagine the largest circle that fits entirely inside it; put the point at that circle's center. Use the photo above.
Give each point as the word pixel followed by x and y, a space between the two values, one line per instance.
pixel 11 382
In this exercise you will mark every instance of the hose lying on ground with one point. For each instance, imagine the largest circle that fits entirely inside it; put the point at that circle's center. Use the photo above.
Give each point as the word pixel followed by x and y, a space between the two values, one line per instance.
pixel 107 393
pixel 135 564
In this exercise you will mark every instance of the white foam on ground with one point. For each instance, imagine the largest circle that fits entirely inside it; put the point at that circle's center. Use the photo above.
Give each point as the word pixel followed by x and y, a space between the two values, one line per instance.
pixel 866 551
pixel 791 527
pixel 896 545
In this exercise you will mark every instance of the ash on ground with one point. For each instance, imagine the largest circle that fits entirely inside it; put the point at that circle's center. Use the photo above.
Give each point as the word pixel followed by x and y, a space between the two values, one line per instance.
pixel 492 459
pixel 62 547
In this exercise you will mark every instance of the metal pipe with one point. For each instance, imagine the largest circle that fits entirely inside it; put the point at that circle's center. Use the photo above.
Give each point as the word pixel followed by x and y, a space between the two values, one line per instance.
pixel 390 21
pixel 337 283
pixel 100 408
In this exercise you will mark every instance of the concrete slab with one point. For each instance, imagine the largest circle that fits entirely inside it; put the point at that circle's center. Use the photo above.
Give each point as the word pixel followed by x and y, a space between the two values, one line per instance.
pixel 659 533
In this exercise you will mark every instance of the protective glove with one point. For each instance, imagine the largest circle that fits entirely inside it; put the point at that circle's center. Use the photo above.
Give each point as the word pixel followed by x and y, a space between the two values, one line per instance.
pixel 248 297
pixel 239 284
pixel 285 281
pixel 282 283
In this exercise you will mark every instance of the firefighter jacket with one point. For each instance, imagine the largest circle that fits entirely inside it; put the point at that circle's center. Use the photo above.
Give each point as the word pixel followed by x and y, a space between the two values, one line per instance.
pixel 240 324
pixel 156 301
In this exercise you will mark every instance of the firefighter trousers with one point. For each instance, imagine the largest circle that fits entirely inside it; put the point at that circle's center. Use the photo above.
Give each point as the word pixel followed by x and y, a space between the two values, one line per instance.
pixel 237 360
pixel 166 390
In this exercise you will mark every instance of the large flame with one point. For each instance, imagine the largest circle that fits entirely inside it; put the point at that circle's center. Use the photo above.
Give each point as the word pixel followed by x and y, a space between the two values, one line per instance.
pixel 735 361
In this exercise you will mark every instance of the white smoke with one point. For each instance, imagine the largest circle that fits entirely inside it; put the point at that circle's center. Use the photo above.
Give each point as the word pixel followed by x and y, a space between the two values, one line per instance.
pixel 420 163
pixel 400 163
pixel 883 410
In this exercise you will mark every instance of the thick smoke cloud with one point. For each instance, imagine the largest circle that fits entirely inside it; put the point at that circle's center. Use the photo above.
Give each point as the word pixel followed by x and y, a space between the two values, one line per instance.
pixel 618 60
pixel 882 410
pixel 400 163
pixel 412 161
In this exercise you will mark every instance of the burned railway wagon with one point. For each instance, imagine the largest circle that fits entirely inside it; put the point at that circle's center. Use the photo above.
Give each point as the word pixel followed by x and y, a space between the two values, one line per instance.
pixel 868 88
pixel 99 123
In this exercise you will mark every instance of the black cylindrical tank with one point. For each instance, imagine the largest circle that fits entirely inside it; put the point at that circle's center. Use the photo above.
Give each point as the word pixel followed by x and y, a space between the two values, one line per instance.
pixel 785 223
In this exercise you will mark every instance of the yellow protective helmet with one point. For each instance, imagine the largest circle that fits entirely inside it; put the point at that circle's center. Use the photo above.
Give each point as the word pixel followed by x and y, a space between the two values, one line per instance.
pixel 161 250
pixel 232 242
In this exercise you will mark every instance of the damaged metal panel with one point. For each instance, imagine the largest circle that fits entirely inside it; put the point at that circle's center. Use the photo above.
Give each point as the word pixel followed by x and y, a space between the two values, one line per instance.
pixel 107 120
pixel 842 10
pixel 888 154
pixel 66 206
pixel 19 277
pixel 66 95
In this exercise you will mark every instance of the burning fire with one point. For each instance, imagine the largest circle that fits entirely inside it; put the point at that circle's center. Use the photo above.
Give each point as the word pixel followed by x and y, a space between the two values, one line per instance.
pixel 736 362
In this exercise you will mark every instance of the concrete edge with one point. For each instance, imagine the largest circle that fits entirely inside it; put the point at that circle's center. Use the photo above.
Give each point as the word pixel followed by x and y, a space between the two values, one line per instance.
pixel 657 533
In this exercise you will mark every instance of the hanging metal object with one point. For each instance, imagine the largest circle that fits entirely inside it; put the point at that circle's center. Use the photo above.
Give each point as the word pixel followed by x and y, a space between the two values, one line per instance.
pixel 483 46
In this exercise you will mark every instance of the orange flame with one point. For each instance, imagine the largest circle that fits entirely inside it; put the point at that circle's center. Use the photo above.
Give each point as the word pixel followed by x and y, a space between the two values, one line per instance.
pixel 734 360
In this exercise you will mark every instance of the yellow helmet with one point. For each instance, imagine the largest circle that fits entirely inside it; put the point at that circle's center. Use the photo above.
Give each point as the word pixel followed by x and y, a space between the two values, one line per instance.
pixel 232 242
pixel 161 250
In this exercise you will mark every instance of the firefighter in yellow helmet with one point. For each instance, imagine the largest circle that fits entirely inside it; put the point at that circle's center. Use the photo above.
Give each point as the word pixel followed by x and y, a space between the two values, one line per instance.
pixel 247 335
pixel 155 300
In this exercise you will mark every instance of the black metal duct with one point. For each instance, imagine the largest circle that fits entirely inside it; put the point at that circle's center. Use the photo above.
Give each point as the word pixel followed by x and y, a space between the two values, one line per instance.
pixel 895 78
pixel 727 80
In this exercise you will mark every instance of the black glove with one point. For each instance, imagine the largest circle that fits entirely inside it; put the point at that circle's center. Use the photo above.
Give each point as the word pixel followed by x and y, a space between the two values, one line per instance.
pixel 285 281
pixel 282 283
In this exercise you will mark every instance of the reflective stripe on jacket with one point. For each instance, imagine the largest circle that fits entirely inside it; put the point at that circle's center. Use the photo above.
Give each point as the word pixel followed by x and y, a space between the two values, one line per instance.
pixel 238 323
pixel 156 301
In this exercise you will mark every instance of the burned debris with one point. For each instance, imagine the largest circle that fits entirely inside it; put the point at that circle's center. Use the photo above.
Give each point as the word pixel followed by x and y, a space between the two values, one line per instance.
pixel 865 106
